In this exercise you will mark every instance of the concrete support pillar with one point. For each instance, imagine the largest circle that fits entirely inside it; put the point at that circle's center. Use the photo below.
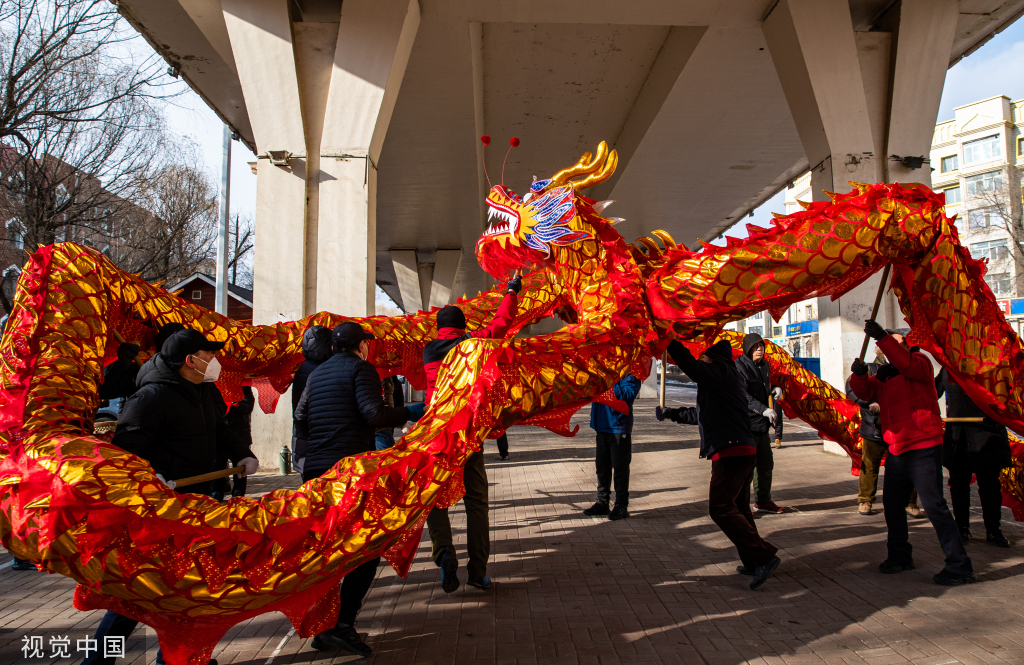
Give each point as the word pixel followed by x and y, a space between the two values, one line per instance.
pixel 375 38
pixel 858 100
pixel 425 281
pixel 261 40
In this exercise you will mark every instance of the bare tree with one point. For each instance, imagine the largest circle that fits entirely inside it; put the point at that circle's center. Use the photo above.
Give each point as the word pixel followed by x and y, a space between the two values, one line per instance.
pixel 47 47
pixel 175 235
pixel 997 204
pixel 243 233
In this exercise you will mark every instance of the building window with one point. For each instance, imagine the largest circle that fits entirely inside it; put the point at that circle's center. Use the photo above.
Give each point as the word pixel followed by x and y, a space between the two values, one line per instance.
pixel 982 218
pixel 777 331
pixel 999 282
pixel 1020 146
pixel 984 182
pixel 197 295
pixel 15 235
pixel 950 164
pixel 758 330
pixel 808 312
pixel 995 250
pixel 952 195
pixel 982 150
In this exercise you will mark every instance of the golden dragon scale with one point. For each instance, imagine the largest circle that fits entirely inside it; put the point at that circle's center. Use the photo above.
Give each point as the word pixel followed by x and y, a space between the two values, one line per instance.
pixel 190 567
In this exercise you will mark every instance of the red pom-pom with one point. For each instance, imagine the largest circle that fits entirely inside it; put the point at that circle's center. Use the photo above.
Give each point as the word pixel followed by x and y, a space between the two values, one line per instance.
pixel 485 139
pixel 514 142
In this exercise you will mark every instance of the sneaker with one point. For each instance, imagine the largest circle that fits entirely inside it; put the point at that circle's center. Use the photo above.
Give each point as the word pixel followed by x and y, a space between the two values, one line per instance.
pixel 965 533
pixel 449 565
pixel 997 538
pixel 946 578
pixel 743 570
pixel 764 572
pixel 770 507
pixel 160 658
pixel 503 456
pixel 599 508
pixel 865 508
pixel 618 513
pixel 915 512
pixel 22 564
pixel 342 636
pixel 778 443
pixel 479 582
pixel 890 567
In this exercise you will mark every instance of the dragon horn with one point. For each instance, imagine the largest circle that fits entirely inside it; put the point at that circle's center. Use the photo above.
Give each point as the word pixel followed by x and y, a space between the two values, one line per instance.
pixel 597 168
pixel 665 238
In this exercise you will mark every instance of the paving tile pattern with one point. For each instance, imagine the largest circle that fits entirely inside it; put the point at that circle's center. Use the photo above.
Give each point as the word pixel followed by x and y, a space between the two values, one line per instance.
pixel 659 587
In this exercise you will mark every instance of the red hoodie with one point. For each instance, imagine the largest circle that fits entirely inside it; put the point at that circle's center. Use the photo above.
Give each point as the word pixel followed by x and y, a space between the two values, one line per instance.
pixel 909 413
pixel 448 338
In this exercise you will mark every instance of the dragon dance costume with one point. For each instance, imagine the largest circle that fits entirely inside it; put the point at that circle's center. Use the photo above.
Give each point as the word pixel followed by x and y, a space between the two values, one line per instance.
pixel 191 567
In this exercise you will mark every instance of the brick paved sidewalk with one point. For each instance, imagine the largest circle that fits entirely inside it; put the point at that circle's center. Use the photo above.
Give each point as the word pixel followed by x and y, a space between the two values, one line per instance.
pixel 658 587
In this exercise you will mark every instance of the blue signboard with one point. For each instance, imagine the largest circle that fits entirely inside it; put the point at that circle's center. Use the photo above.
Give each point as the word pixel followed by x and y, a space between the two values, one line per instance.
pixel 802 328
pixel 1017 306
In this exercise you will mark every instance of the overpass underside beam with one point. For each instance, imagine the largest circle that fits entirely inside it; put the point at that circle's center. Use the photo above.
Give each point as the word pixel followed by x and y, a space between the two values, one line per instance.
pixel 864 104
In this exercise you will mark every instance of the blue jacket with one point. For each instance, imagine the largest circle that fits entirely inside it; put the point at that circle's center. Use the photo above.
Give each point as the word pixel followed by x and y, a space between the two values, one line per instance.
pixel 606 419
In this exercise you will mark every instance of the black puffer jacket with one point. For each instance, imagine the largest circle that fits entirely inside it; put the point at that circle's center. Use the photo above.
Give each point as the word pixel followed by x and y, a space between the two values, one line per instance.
pixel 758 384
pixel 316 347
pixel 176 425
pixel 870 427
pixel 339 411
pixel 987 438
pixel 721 401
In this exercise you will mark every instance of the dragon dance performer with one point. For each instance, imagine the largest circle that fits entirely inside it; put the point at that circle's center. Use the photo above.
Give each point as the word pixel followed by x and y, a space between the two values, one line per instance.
pixel 175 421
pixel 451 331
pixel 337 414
pixel 726 439
pixel 753 369
pixel 912 426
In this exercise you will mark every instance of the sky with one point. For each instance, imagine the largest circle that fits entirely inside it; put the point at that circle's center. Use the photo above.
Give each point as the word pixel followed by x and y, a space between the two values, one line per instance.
pixel 997 68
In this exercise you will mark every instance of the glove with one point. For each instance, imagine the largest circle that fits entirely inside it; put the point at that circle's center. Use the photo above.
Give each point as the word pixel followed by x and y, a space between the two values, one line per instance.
pixel 170 483
pixel 515 285
pixel 251 464
pixel 770 415
pixel 873 330
pixel 127 351
pixel 662 414
pixel 416 410
pixel 777 393
pixel 859 367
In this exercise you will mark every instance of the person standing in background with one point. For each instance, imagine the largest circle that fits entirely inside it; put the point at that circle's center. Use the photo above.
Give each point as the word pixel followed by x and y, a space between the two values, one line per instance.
pixel 614 449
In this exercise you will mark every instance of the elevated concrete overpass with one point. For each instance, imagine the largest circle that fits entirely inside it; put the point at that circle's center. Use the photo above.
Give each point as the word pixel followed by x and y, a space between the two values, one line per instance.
pixel 365 116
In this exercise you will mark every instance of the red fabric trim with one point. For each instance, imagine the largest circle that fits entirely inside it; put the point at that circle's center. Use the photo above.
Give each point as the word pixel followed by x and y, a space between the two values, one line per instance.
pixel 735 451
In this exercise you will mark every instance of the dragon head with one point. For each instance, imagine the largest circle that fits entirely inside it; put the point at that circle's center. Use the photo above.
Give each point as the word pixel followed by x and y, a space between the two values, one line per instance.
pixel 525 230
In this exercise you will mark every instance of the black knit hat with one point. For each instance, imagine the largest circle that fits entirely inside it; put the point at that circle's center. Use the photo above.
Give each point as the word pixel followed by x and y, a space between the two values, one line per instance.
pixel 451 317
pixel 720 351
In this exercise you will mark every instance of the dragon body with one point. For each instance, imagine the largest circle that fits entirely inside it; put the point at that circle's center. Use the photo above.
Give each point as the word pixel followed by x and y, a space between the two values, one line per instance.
pixel 191 567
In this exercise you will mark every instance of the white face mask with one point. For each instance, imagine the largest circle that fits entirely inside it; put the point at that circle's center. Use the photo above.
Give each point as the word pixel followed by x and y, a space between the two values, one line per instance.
pixel 212 372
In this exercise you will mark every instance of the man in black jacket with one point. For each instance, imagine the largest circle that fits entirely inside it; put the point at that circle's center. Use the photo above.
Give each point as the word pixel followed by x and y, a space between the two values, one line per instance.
pixel 872 447
pixel 980 449
pixel 175 421
pixel 337 414
pixel 754 371
pixel 725 439
pixel 317 348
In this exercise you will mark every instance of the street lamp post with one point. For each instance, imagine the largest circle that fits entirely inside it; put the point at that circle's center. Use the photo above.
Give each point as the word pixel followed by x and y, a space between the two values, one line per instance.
pixel 221 303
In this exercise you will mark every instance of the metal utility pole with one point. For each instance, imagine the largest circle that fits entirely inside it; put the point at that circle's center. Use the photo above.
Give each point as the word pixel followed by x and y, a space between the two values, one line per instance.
pixel 221 304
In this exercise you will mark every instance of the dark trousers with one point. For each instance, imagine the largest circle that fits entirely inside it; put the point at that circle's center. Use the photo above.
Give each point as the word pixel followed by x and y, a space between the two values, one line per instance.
pixel 764 466
pixel 383 439
pixel 729 506
pixel 113 625
pixel 354 587
pixel 502 442
pixel 614 453
pixel 356 583
pixel 963 466
pixel 478 525
pixel 922 469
